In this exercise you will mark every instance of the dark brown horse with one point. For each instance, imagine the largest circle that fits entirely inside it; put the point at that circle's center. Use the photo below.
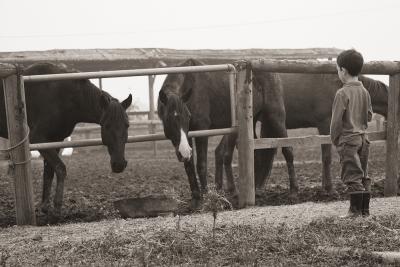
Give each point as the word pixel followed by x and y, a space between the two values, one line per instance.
pixel 198 101
pixel 308 102
pixel 53 110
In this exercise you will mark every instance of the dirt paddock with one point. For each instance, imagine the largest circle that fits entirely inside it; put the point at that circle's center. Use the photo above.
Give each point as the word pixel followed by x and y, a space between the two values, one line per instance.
pixel 91 187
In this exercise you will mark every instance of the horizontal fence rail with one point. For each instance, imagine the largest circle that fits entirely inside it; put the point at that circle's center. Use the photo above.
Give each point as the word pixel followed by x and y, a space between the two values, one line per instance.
pixel 307 140
pixel 7 70
pixel 312 66
pixel 139 113
pixel 127 73
pixel 131 139
pixel 80 129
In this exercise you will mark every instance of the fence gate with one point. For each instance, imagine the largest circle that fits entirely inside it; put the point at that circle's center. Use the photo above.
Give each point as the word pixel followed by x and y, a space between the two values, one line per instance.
pixel 247 144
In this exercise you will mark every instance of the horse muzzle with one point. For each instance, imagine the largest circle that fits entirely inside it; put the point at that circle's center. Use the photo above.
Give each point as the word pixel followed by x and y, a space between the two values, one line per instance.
pixel 182 158
pixel 119 166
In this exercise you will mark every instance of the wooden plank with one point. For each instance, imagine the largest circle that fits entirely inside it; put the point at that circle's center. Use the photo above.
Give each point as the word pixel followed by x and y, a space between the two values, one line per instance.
pixel 20 156
pixel 6 70
pixel 314 66
pixel 114 59
pixel 245 144
pixel 263 143
pixel 392 147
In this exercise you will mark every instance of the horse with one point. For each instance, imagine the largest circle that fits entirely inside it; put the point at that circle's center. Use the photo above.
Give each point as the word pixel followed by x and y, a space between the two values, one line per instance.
pixel 308 102
pixel 53 110
pixel 199 101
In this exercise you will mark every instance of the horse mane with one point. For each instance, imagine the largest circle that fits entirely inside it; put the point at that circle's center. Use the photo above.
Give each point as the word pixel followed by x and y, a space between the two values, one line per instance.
pixel 114 111
pixel 191 62
pixel 91 93
pixel 48 68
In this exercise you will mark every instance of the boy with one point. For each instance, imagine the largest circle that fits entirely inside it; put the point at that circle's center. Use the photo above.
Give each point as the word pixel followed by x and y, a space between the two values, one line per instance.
pixel 351 112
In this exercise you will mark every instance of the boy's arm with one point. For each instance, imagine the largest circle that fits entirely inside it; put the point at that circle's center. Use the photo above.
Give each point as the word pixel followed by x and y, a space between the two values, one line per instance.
pixel 338 109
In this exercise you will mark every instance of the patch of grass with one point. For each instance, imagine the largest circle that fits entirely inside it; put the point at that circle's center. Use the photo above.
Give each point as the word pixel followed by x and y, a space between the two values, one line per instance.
pixel 215 202
pixel 236 245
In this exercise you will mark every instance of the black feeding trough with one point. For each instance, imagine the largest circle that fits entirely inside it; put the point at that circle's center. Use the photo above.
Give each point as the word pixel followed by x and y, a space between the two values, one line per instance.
pixel 150 206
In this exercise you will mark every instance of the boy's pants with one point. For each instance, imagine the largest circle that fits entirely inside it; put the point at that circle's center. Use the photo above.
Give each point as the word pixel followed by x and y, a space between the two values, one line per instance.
pixel 354 162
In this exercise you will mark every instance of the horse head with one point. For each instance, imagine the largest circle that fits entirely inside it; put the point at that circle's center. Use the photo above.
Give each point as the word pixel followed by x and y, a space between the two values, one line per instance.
pixel 173 111
pixel 114 129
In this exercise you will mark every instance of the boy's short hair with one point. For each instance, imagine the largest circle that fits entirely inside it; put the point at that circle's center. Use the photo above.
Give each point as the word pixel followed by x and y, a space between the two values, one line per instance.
pixel 351 60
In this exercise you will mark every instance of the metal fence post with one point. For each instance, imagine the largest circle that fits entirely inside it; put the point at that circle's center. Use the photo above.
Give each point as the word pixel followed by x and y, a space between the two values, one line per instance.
pixel 152 126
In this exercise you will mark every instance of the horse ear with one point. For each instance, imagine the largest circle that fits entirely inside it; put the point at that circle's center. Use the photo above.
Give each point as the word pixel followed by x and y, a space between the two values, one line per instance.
pixel 127 102
pixel 104 101
pixel 163 97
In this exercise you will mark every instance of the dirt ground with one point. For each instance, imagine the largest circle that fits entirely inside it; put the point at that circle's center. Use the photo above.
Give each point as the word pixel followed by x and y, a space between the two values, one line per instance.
pixel 91 187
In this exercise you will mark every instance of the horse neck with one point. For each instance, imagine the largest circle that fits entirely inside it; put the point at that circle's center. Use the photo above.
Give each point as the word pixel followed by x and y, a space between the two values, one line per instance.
pixel 90 109
pixel 378 92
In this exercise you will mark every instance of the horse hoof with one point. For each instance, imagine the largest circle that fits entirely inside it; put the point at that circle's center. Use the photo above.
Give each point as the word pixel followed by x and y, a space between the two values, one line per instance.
pixel 233 193
pixel 259 192
pixel 333 194
pixel 219 189
pixel 293 197
pixel 45 208
pixel 53 218
pixel 329 194
pixel 195 204
pixel 204 191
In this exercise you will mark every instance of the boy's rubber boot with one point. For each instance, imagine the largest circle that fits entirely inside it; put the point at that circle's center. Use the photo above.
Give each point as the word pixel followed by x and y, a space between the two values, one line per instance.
pixel 356 202
pixel 365 203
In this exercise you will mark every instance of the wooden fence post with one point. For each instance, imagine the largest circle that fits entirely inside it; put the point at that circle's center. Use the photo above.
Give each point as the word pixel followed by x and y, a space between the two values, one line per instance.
pixel 246 142
pixel 152 127
pixel 18 131
pixel 392 147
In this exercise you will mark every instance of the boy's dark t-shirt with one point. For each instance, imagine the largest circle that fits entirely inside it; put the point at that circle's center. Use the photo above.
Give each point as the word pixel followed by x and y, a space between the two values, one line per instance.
pixel 351 112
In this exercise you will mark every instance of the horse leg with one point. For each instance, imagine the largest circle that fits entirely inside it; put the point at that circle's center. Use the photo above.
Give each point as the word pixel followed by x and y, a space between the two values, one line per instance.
pixel 201 150
pixel 263 161
pixel 227 158
pixel 277 128
pixel 191 174
pixel 52 157
pixel 293 185
pixel 48 174
pixel 219 162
